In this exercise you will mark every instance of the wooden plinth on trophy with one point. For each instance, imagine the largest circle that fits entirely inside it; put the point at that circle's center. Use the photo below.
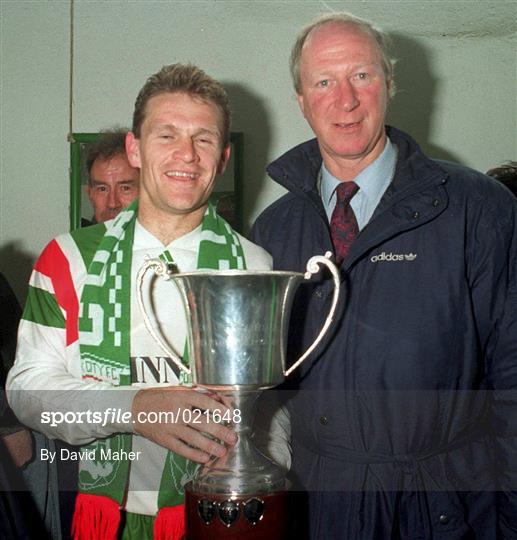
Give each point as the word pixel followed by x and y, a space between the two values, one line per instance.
pixel 247 517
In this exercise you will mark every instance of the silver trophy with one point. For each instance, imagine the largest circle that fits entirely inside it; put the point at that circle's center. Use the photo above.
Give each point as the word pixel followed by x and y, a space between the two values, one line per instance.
pixel 238 323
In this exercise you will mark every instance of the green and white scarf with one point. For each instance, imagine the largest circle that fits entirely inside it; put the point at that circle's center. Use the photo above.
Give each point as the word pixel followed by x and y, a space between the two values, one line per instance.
pixel 104 340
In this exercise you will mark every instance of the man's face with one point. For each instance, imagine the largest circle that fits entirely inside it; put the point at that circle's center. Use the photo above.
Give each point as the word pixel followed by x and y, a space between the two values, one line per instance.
pixel 113 186
pixel 180 152
pixel 344 95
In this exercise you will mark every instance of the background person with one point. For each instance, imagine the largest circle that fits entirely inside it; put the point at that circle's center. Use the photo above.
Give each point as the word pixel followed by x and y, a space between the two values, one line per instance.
pixel 393 434
pixel 112 181
pixel 89 341
pixel 16 444
pixel 507 174
pixel 15 436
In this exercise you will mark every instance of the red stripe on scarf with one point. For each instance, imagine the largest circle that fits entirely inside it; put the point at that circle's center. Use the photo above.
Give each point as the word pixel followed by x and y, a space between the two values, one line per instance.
pixel 170 523
pixel 95 518
pixel 53 264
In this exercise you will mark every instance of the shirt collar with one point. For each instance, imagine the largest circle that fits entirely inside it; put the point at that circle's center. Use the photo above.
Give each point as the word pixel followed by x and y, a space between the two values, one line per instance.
pixel 371 181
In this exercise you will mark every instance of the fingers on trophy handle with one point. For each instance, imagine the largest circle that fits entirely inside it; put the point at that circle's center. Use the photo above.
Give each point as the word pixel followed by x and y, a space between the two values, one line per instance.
pixel 162 269
pixel 313 267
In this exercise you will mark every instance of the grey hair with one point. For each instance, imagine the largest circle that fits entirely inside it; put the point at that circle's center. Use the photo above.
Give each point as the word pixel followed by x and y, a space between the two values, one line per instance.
pixel 380 37
pixel 111 143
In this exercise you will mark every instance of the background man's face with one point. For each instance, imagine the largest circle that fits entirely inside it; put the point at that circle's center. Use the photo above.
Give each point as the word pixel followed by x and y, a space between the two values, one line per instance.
pixel 180 152
pixel 344 93
pixel 113 186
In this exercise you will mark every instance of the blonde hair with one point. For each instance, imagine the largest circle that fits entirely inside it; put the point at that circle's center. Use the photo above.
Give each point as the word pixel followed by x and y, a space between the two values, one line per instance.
pixel 190 80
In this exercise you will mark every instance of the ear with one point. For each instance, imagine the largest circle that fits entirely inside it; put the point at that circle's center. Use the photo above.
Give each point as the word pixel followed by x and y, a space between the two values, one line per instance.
pixel 389 86
pixel 88 190
pixel 133 150
pixel 299 98
pixel 225 157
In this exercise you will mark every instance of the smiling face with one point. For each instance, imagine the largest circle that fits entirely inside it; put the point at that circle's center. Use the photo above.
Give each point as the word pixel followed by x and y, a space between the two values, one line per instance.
pixel 113 185
pixel 180 152
pixel 344 94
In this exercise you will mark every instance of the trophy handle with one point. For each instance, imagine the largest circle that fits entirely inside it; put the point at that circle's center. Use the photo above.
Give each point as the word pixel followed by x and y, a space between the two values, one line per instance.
pixel 313 267
pixel 160 269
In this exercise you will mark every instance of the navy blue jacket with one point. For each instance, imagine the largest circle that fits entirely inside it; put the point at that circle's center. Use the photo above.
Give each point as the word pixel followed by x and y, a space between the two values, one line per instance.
pixel 404 423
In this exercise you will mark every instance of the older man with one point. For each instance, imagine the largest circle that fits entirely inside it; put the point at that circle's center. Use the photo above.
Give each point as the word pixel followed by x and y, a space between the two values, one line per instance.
pixel 404 425
pixel 82 334
pixel 112 181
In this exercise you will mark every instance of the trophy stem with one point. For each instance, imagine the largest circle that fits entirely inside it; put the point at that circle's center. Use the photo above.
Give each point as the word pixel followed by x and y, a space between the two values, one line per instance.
pixel 244 402
pixel 243 469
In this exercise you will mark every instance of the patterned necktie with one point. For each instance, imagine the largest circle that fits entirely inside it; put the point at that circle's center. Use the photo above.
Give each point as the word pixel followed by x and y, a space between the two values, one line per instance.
pixel 343 225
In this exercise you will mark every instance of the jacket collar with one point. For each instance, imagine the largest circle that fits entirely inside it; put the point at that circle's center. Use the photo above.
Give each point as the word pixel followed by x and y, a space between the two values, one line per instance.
pixel 297 170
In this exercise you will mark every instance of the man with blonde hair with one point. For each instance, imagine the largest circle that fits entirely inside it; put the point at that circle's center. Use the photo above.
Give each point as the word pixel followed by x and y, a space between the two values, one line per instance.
pixel 394 435
pixel 83 347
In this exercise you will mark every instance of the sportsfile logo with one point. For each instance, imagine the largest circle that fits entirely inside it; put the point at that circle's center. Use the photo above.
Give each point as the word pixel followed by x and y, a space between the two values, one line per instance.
pixel 394 257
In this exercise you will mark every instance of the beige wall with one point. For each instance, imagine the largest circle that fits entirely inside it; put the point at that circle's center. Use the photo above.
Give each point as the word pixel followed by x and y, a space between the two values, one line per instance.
pixel 456 74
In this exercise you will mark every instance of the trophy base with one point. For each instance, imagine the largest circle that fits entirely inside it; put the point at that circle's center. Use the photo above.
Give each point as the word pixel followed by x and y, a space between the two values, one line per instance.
pixel 219 516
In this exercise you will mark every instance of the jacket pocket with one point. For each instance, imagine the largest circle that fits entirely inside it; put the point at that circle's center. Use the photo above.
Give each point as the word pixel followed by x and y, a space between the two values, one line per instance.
pixel 448 516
